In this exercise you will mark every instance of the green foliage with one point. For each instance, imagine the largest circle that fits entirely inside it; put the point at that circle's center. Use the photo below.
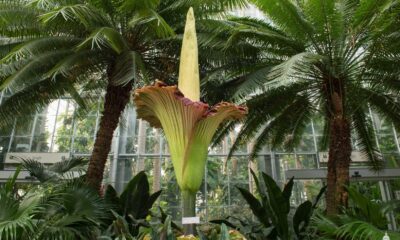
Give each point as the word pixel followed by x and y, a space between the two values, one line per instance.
pixel 64 170
pixel 365 218
pixel 55 48
pixel 16 217
pixel 63 207
pixel 303 50
pixel 272 210
pixel 133 205
pixel 56 209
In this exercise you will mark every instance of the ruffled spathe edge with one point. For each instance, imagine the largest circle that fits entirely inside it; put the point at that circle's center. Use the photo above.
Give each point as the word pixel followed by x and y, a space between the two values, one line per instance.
pixel 159 86
pixel 188 127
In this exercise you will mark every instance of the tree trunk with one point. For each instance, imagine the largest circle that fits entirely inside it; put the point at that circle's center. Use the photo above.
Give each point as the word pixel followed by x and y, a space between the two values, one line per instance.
pixel 338 165
pixel 115 101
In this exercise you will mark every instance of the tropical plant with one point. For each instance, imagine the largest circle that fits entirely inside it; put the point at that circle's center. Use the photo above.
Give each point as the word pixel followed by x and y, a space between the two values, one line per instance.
pixel 16 217
pixel 53 210
pixel 336 59
pixel 188 124
pixel 364 219
pixel 71 210
pixel 64 170
pixel 64 207
pixel 53 48
pixel 132 207
pixel 272 210
pixel 221 232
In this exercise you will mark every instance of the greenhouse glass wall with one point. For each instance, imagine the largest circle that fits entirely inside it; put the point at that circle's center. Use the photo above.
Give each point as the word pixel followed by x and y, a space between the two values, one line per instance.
pixel 60 128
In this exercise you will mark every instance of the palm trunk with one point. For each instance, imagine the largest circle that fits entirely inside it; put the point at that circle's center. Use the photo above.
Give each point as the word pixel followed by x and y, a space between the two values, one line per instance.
pixel 338 165
pixel 115 101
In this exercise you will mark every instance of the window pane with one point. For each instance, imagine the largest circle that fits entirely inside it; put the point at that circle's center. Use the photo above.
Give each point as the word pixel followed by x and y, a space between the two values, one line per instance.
pixel 392 160
pixel 4 142
pixel 306 144
pixel 20 144
pixel 44 126
pixel 128 145
pixel 23 127
pixel 83 145
pixel 64 125
pixel 85 127
pixel 41 143
pixel 217 182
pixel 62 144
pixel 387 143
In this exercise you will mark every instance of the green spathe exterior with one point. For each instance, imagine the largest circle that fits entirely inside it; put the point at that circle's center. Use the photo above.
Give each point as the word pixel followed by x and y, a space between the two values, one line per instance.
pixel 188 124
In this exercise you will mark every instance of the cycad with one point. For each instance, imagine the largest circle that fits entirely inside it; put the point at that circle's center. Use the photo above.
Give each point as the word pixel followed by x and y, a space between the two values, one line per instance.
pixel 311 58
pixel 364 219
pixel 74 47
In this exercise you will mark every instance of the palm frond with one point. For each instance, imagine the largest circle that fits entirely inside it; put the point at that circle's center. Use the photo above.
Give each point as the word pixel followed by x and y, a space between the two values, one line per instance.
pixel 155 23
pixel 294 119
pixel 39 95
pixel 73 164
pixel 39 46
pixel 16 21
pixel 385 104
pixel 83 14
pixel 127 67
pixel 359 230
pixel 37 170
pixel 104 37
pixel 17 218
pixel 263 108
pixel 327 19
pixel 33 71
pixel 287 16
pixel 366 138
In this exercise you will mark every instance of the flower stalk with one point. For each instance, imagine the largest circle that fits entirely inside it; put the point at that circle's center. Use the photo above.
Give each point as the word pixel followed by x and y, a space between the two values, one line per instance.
pixel 188 123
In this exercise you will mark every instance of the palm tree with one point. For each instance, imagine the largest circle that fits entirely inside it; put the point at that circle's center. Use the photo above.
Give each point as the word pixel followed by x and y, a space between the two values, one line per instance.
pixel 335 59
pixel 75 47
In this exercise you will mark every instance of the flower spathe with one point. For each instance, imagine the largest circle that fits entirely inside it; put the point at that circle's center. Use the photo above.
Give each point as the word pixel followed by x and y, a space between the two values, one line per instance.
pixel 188 126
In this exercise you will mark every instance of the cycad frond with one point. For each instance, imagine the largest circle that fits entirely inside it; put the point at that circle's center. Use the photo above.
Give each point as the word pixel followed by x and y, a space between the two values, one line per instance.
pixel 287 16
pixel 359 230
pixel 38 95
pixel 366 138
pixel 39 46
pixel 153 22
pixel 17 21
pixel 33 71
pixel 83 14
pixel 127 67
pixel 104 37
pixel 384 103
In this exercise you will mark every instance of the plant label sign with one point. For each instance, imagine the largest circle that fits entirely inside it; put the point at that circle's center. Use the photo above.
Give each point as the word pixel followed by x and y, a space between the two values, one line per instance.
pixel 191 220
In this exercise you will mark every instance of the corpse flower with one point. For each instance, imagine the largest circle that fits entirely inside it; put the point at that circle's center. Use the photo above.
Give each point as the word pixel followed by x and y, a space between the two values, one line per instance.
pixel 188 123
